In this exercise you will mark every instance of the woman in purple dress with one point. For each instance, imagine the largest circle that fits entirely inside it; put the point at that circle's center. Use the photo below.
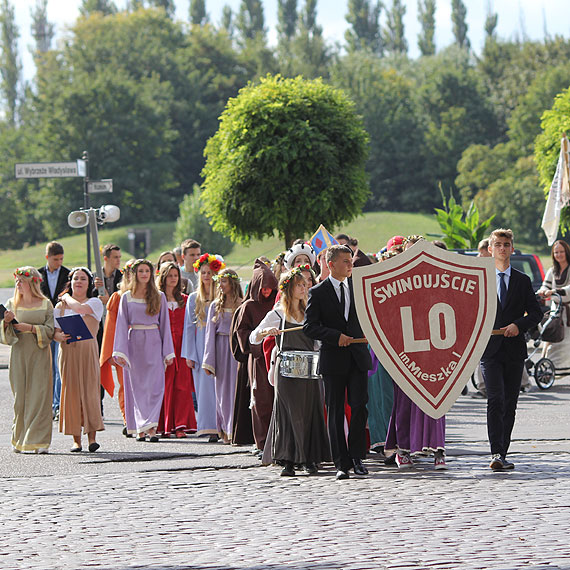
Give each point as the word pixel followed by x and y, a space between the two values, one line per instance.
pixel 410 430
pixel 218 359
pixel 143 347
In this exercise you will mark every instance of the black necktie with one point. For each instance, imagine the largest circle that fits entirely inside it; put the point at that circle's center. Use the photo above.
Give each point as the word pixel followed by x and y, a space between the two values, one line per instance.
pixel 342 299
pixel 502 290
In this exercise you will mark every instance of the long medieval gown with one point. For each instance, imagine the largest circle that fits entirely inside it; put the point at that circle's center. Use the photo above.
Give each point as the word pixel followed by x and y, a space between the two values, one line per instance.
pixel 30 375
pixel 193 349
pixel 252 311
pixel 298 430
pixel 178 407
pixel 106 356
pixel 145 342
pixel 218 360
pixel 80 405
pixel 242 430
pixel 380 402
pixel 412 430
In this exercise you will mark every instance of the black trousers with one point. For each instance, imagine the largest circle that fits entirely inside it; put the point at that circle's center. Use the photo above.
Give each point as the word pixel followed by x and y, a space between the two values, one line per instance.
pixel 355 386
pixel 502 377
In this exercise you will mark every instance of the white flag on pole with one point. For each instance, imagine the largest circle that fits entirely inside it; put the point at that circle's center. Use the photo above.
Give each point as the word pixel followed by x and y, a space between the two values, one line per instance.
pixel 559 194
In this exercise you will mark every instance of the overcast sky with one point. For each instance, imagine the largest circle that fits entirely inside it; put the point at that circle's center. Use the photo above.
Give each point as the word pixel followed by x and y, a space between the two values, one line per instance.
pixel 515 16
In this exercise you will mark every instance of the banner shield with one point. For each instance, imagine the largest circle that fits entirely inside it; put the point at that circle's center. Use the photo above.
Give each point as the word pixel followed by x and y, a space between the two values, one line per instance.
pixel 428 314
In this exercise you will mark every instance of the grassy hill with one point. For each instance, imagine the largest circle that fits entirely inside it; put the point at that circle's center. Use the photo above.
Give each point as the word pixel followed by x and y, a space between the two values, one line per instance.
pixel 372 230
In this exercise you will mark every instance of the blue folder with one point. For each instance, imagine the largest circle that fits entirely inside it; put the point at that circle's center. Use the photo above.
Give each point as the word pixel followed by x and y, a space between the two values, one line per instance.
pixel 75 327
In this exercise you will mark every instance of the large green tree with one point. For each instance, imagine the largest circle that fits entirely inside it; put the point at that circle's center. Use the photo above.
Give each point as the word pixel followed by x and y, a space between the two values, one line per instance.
pixel 456 113
pixel 306 53
pixel 364 30
pixel 105 7
pixel 385 99
pixel 10 65
pixel 142 96
pixel 198 15
pixel 394 37
pixel 555 123
pixel 459 23
pixel 426 16
pixel 287 19
pixel 289 155
pixel 43 30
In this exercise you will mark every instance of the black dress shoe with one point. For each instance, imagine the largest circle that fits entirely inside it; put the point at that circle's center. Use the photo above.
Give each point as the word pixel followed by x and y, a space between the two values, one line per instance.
pixel 359 467
pixel 340 475
pixel 288 470
pixel 93 447
pixel 76 449
pixel 153 438
pixel 311 468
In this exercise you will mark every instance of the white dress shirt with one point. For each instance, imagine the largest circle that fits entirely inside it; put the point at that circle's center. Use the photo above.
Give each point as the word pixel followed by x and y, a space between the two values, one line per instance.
pixel 507 279
pixel 336 284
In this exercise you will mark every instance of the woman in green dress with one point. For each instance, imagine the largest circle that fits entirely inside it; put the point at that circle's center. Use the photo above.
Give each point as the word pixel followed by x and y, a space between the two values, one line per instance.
pixel 30 361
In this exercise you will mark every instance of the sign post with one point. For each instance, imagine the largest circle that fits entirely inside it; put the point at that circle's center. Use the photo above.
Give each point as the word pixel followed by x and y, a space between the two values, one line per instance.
pixel 76 169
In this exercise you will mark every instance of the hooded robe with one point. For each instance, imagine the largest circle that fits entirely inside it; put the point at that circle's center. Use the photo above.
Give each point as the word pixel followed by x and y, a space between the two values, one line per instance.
pixel 251 313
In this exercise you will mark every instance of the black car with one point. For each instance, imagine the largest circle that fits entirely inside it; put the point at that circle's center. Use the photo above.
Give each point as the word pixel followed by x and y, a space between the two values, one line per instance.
pixel 528 263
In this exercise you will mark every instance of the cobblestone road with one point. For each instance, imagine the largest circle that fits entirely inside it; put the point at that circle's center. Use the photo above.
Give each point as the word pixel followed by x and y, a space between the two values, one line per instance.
pixel 188 504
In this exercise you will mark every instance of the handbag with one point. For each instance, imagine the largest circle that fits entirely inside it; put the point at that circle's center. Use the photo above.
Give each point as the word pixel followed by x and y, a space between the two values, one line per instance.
pixel 554 330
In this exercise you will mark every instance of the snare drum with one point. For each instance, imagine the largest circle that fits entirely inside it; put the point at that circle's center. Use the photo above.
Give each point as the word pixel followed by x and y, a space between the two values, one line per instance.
pixel 299 364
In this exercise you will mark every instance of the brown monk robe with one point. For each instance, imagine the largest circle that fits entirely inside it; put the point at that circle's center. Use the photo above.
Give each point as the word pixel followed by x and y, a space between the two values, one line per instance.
pixel 261 298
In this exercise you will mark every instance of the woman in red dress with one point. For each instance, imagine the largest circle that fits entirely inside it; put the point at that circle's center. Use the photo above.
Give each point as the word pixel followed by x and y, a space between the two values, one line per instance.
pixel 177 415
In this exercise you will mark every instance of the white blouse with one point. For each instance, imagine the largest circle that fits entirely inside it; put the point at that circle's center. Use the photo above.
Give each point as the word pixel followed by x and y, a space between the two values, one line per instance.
pixel 273 319
pixel 95 304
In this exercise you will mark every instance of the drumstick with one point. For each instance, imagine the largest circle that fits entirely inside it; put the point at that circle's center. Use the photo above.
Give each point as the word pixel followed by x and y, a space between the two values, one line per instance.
pixel 292 329
pixel 359 341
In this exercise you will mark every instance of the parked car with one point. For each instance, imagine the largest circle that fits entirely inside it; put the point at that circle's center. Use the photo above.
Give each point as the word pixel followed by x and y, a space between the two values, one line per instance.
pixel 528 263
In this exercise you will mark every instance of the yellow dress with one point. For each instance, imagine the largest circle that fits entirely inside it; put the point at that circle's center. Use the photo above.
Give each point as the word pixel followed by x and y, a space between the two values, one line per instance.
pixel 30 375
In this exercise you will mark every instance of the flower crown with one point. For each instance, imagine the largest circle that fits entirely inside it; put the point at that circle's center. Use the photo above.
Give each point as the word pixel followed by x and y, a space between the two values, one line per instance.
pixel 138 262
pixel 129 265
pixel 307 267
pixel 216 262
pixel 26 273
pixel 227 275
pixel 286 280
pixel 412 239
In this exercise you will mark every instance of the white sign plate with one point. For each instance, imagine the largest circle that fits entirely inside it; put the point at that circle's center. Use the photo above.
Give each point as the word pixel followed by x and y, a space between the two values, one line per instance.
pixel 50 169
pixel 100 186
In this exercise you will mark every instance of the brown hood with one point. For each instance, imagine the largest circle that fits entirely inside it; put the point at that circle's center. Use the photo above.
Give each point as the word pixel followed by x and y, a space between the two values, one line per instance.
pixel 262 277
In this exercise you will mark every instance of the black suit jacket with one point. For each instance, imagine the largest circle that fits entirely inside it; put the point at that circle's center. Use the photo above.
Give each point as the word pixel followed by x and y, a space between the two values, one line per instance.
pixel 60 286
pixel 325 322
pixel 523 310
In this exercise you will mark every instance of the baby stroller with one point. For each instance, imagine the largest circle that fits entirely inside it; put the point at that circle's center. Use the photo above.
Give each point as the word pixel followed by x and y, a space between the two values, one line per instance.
pixel 551 329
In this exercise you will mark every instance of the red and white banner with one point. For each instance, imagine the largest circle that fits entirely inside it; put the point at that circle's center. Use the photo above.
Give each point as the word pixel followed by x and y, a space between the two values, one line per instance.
pixel 428 315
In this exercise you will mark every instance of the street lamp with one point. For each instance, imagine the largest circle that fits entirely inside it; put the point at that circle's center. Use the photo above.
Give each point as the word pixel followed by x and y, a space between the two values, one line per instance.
pixel 93 217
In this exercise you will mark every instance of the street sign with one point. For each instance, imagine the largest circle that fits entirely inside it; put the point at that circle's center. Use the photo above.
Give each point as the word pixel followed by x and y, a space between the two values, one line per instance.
pixel 428 315
pixel 50 169
pixel 100 186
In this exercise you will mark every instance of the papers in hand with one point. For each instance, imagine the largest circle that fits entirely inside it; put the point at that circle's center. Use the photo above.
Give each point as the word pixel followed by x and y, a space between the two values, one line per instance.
pixel 2 311
pixel 75 327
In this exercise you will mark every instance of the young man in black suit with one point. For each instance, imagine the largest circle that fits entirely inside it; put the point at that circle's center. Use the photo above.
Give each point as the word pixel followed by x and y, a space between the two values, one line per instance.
pixel 54 279
pixel 503 360
pixel 331 318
